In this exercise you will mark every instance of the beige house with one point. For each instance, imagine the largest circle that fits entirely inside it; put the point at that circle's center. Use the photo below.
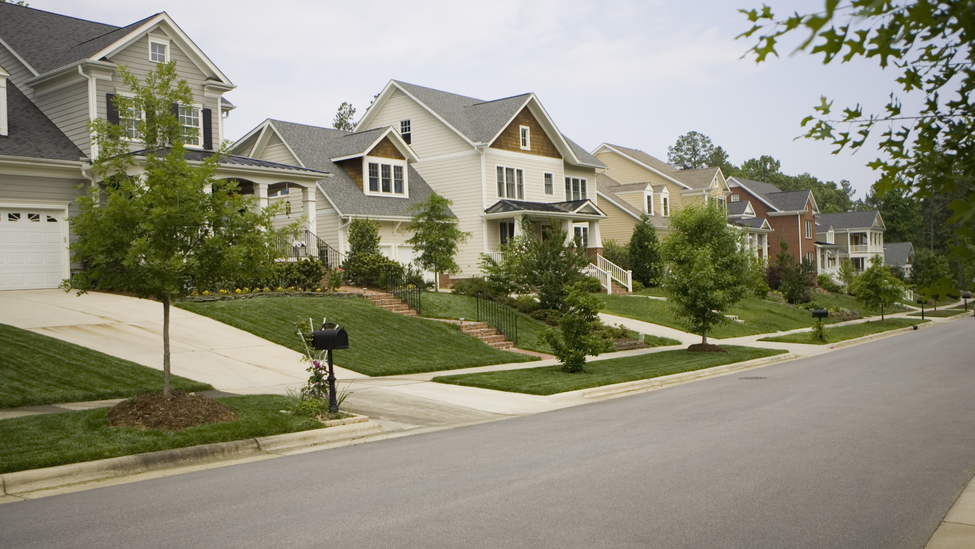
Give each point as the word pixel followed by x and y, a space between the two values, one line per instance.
pixel 499 161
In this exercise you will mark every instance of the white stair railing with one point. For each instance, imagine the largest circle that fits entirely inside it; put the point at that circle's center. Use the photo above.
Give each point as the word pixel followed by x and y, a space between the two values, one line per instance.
pixel 603 276
pixel 620 275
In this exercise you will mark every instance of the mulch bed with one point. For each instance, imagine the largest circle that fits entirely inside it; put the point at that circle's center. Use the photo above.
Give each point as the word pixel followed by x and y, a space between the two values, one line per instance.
pixel 173 413
pixel 626 344
pixel 706 348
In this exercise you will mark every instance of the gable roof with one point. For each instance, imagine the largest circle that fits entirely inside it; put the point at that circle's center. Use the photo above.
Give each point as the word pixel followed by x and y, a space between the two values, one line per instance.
pixel 739 208
pixel 898 254
pixel 851 220
pixel 480 121
pixel 751 222
pixel 570 207
pixel 31 134
pixel 697 179
pixel 314 147
pixel 775 198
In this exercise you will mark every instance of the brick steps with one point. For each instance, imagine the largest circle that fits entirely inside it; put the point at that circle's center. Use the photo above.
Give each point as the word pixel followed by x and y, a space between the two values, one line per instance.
pixel 479 330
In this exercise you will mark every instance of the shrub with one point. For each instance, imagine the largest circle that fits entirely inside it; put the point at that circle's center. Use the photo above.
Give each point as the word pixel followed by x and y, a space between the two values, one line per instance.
pixel 548 316
pixel 372 270
pixel 773 276
pixel 526 304
pixel 471 286
pixel 617 253
pixel 827 283
pixel 591 284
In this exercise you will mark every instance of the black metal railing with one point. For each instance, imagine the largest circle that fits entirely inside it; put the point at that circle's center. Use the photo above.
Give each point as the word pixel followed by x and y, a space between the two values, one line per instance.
pixel 307 244
pixel 396 283
pixel 499 316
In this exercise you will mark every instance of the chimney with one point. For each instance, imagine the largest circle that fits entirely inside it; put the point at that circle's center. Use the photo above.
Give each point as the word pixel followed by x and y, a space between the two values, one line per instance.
pixel 3 101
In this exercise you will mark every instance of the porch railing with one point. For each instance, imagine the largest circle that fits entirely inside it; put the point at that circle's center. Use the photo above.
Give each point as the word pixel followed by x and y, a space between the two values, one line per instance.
pixel 395 283
pixel 616 272
pixel 603 276
pixel 307 244
pixel 859 248
pixel 499 316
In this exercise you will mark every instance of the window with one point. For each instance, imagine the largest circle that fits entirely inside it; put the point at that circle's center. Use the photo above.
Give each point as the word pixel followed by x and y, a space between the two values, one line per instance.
pixel 665 206
pixel 404 130
pixel 507 231
pixel 158 52
pixel 511 183
pixel 810 257
pixel 526 139
pixel 649 204
pixel 582 236
pixel 549 184
pixel 13 217
pixel 575 188
pixel 189 118
pixel 734 198
pixel 830 238
pixel 34 218
pixel 386 178
pixel 808 229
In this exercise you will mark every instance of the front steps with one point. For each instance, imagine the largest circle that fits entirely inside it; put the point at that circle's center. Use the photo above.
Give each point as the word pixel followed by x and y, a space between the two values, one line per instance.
pixel 389 302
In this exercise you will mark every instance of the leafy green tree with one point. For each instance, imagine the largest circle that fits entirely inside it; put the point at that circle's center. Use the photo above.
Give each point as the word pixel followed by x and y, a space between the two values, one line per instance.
pixel 344 117
pixel 707 268
pixel 927 150
pixel 576 338
pixel 435 236
pixel 719 158
pixel 901 213
pixel 645 257
pixel 617 254
pixel 797 279
pixel 365 264
pixel 877 286
pixel 930 272
pixel 764 169
pixel 692 150
pixel 847 273
pixel 173 226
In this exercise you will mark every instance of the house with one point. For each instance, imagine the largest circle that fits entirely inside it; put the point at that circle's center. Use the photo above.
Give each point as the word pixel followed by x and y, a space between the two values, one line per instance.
pixel 858 236
pixel 498 161
pixel 790 214
pixel 371 174
pixel 60 72
pixel 900 255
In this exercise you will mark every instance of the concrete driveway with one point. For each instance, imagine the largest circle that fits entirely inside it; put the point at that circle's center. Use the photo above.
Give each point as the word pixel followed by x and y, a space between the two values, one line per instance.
pixel 202 349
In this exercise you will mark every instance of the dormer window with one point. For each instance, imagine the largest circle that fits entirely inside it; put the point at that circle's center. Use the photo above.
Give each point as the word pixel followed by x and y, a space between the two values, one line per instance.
pixel 385 176
pixel 405 131
pixel 830 237
pixel 526 138
pixel 665 205
pixel 158 49
pixel 649 204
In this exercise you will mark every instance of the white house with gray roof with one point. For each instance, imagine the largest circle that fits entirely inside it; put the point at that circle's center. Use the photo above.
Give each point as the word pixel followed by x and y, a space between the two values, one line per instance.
pixel 499 162
pixel 60 72
pixel 858 236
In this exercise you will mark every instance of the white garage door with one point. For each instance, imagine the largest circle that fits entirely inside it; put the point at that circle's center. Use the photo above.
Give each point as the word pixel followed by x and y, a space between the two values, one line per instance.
pixel 32 244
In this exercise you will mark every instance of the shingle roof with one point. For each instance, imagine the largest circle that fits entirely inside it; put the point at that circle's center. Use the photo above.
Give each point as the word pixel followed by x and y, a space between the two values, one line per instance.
pixel 551 207
pixel 235 160
pixel 848 220
pixel 783 201
pixel 49 40
pixel 648 160
pixel 316 146
pixel 31 134
pixel 609 187
pixel 478 120
pixel 737 208
pixel 750 222
pixel 898 254
pixel 696 179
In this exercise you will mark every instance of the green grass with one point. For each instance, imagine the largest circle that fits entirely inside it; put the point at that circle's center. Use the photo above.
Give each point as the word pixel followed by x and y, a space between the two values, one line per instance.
pixel 441 305
pixel 381 343
pixel 551 380
pixel 37 369
pixel 656 291
pixel 836 301
pixel 33 442
pixel 940 313
pixel 658 341
pixel 836 334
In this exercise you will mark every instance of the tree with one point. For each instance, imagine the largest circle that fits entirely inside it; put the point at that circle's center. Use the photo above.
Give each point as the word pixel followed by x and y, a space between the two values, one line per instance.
pixel 797 279
pixel 847 273
pixel 928 44
pixel 708 271
pixel 366 265
pixel 645 258
pixel 764 169
pixel 171 227
pixel 929 270
pixel 692 151
pixel 435 236
pixel 877 286
pixel 343 117
pixel 719 159
pixel 576 338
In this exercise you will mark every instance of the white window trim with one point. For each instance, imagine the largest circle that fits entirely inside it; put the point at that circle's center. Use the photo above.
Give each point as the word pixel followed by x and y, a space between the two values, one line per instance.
pixel 391 162
pixel 648 203
pixel 547 178
pixel 199 108
pixel 525 138
pixel 519 183
pixel 569 193
pixel 734 198
pixel 808 228
pixel 409 124
pixel 162 42
pixel 665 206
pixel 122 119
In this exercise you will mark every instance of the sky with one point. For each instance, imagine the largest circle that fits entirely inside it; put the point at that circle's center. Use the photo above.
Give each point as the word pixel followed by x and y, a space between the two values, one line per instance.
pixel 636 73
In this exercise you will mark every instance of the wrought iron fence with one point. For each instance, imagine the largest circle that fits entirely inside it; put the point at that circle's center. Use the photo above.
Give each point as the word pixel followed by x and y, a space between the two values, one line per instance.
pixel 499 316
pixel 396 283
pixel 307 244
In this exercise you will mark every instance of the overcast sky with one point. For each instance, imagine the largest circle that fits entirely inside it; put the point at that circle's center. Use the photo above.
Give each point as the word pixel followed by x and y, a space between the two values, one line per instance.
pixel 637 73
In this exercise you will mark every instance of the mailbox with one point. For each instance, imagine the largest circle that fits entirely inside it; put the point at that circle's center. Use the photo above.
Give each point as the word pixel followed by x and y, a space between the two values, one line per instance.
pixel 329 339
pixel 820 313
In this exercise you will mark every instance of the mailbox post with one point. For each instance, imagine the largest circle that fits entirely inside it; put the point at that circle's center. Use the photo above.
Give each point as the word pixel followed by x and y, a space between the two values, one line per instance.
pixel 819 315
pixel 329 338
pixel 966 295
pixel 920 301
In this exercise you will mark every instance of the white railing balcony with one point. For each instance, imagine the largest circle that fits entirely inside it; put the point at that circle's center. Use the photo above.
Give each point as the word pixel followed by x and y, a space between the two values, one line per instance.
pixel 603 276
pixel 859 248
pixel 495 256
pixel 623 277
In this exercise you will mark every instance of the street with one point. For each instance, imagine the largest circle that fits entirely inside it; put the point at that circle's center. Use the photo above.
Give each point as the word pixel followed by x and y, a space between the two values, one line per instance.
pixel 866 446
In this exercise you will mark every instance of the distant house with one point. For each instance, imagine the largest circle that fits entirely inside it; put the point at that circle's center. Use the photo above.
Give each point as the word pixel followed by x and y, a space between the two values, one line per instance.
pixel 900 255
pixel 790 214
pixel 857 236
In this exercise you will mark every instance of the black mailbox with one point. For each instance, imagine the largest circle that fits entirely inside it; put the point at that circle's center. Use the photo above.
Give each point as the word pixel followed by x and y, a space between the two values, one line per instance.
pixel 330 339
pixel 820 313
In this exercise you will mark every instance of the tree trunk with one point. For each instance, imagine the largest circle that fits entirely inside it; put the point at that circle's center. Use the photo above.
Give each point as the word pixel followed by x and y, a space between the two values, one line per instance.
pixel 165 302
pixel 436 281
pixel 704 337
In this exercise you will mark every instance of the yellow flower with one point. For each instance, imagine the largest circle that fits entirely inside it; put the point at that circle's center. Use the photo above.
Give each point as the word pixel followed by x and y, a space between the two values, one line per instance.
pixel 206 292
pixel 237 291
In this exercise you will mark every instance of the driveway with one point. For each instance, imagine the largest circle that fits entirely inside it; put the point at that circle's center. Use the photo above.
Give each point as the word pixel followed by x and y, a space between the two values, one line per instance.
pixel 202 349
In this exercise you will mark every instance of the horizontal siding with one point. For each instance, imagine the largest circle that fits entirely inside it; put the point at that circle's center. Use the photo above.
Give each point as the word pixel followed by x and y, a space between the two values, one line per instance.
pixel 277 151
pixel 284 219
pixel 18 72
pixel 589 174
pixel 68 108
pixel 623 170
pixel 430 137
pixel 534 169
pixel 617 226
pixel 44 190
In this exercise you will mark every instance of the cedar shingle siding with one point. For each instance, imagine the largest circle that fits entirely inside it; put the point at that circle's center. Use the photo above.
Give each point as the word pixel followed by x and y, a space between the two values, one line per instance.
pixel 353 167
pixel 510 138
pixel 385 149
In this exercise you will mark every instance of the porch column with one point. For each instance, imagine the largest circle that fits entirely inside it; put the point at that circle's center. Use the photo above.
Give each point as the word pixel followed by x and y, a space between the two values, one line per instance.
pixel 309 209
pixel 262 201
pixel 764 239
pixel 518 219
pixel 570 233
pixel 595 241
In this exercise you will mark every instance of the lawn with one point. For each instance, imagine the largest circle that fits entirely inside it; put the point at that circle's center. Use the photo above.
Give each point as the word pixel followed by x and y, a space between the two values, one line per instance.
pixel 441 305
pixel 33 442
pixel 836 301
pixel 835 334
pixel 550 380
pixel 381 343
pixel 940 313
pixel 37 369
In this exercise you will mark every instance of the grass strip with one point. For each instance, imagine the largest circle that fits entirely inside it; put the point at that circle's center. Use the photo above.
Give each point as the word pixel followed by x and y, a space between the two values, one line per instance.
pixel 836 334
pixel 33 442
pixel 456 306
pixel 381 343
pixel 940 313
pixel 36 369
pixel 550 380
pixel 659 341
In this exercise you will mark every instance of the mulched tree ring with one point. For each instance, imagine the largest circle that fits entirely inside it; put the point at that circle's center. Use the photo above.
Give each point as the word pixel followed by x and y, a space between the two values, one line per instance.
pixel 173 413
pixel 706 348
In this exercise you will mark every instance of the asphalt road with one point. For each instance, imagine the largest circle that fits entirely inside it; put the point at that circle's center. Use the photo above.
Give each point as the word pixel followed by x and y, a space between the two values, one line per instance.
pixel 867 446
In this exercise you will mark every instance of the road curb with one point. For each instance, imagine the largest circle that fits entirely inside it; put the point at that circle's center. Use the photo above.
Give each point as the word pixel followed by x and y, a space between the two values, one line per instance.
pixel 22 482
pixel 882 335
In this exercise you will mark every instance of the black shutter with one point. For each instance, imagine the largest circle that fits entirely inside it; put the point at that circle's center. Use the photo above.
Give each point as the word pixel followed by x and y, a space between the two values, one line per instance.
pixel 207 129
pixel 175 109
pixel 110 111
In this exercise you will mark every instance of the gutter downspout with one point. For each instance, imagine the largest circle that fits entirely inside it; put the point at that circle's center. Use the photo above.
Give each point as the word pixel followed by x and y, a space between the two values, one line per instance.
pixel 92 110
